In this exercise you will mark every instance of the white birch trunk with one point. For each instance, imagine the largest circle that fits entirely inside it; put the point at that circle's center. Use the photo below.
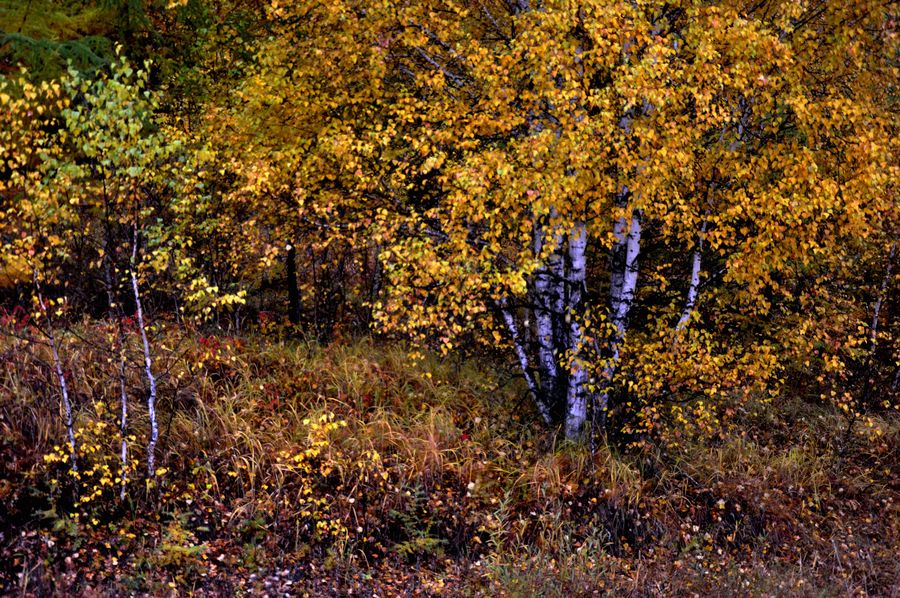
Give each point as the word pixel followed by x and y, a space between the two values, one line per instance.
pixel 694 287
pixel 123 425
pixel 522 356
pixel 577 392
pixel 629 276
pixel 617 263
pixel 556 266
pixel 60 377
pixel 148 369
pixel 115 314
pixel 885 282
pixel 620 306
pixel 549 299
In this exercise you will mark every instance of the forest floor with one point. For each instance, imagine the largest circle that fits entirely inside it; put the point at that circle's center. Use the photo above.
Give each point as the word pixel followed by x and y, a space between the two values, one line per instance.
pixel 285 468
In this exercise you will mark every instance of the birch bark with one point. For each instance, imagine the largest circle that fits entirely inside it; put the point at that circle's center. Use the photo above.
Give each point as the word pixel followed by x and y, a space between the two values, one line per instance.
pixel 115 314
pixel 548 299
pixel 148 369
pixel 577 392
pixel 694 286
pixel 123 425
pixel 885 282
pixel 524 364
pixel 60 376
pixel 620 304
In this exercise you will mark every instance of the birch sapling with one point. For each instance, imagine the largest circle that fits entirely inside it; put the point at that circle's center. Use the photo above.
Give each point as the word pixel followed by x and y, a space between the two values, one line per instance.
pixel 115 313
pixel 148 366
pixel 60 376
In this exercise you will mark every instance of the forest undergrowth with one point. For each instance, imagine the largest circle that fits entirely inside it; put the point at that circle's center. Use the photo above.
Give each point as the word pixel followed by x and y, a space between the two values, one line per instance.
pixel 286 467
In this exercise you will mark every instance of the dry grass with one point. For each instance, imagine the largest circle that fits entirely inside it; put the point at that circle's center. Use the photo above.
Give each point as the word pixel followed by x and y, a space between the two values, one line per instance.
pixel 435 465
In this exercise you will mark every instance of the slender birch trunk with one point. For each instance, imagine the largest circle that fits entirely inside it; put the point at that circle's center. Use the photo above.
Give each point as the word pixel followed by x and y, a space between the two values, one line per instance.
pixel 577 392
pixel 621 300
pixel 548 299
pixel 557 301
pixel 123 423
pixel 885 282
pixel 148 368
pixel 694 287
pixel 629 276
pixel 60 376
pixel 873 328
pixel 617 255
pixel 115 313
pixel 524 364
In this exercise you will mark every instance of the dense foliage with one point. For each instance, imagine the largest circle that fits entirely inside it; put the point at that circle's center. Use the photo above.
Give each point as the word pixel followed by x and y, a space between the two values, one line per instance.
pixel 661 223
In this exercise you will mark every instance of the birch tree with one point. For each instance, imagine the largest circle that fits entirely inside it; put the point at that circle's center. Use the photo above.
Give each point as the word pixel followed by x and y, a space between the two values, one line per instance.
pixel 90 163
pixel 33 220
pixel 516 161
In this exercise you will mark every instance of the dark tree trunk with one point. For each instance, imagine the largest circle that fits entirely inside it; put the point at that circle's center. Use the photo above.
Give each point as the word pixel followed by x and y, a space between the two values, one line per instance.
pixel 292 289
